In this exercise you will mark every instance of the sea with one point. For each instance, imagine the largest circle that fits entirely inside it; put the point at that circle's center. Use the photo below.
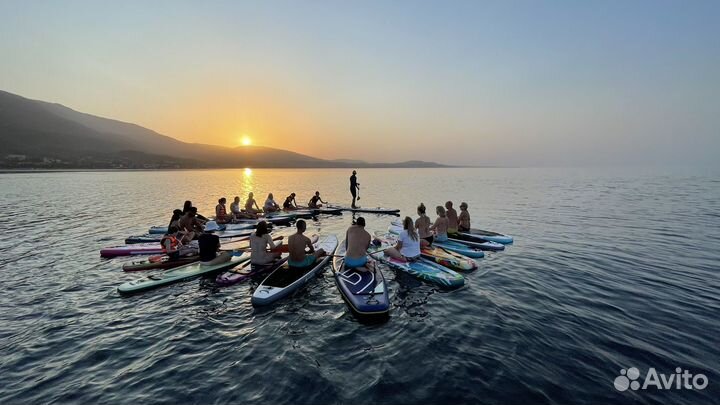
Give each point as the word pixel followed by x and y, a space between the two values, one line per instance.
pixel 609 294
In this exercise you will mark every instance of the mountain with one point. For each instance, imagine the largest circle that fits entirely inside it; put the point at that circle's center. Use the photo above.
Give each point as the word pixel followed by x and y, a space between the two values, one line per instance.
pixel 41 134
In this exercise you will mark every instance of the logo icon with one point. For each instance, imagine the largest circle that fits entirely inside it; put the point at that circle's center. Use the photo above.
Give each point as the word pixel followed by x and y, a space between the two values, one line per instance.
pixel 627 379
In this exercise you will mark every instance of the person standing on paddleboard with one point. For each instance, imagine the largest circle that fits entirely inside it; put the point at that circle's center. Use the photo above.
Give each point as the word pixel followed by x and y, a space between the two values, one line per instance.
pixel 354 187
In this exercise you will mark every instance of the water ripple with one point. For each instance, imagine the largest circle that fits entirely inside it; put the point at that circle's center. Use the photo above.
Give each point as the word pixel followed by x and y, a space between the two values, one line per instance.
pixel 609 270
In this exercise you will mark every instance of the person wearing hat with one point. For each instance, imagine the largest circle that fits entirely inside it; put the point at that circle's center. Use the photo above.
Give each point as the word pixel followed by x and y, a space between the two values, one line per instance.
pixel 290 203
pixel 354 187
pixel 357 242
pixel 210 244
pixel 464 218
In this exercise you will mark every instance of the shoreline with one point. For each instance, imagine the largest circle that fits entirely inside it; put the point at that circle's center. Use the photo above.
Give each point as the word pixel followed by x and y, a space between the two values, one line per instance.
pixel 25 171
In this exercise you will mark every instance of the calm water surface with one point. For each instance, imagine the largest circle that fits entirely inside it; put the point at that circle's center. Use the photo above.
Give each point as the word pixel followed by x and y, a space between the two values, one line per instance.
pixel 609 270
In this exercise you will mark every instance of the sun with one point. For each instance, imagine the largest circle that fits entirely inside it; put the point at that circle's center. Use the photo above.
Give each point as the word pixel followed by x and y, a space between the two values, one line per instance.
pixel 245 140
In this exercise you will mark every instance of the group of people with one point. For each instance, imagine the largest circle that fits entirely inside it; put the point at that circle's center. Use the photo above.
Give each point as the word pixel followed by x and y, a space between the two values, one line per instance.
pixel 252 210
pixel 448 221
pixel 415 234
pixel 187 225
pixel 300 249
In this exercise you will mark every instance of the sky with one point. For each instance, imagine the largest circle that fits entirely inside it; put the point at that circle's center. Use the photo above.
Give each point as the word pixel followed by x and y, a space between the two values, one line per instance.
pixel 510 83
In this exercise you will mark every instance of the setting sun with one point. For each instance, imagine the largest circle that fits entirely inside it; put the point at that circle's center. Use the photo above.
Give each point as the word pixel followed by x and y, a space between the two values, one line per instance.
pixel 245 140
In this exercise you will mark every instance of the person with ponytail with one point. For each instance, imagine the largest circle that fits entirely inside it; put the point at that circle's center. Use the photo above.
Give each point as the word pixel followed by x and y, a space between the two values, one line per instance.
pixel 422 224
pixel 262 248
pixel 408 244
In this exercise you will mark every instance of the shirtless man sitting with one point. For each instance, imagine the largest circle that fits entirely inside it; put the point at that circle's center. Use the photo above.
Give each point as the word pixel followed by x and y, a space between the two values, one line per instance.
pixel 189 222
pixel 297 243
pixel 357 242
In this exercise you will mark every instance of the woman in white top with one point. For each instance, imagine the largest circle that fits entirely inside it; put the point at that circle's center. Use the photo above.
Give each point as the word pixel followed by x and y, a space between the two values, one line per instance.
pixel 235 206
pixel 270 204
pixel 260 242
pixel 408 244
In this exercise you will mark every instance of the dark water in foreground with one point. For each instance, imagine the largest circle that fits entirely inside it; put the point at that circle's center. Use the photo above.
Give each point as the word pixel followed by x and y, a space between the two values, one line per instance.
pixel 610 270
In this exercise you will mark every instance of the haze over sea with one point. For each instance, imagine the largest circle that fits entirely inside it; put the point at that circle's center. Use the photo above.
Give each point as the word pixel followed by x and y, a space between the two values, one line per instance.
pixel 610 269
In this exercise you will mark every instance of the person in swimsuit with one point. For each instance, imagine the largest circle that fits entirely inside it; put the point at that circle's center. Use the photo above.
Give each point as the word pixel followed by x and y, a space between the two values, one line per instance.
pixel 251 206
pixel 209 246
pixel 189 223
pixel 313 203
pixel 174 228
pixel 354 186
pixel 440 226
pixel 408 245
pixel 187 206
pixel 270 204
pixel 237 213
pixel 235 207
pixel 452 217
pixel 422 224
pixel 297 243
pixel 357 242
pixel 290 203
pixel 464 218
pixel 263 249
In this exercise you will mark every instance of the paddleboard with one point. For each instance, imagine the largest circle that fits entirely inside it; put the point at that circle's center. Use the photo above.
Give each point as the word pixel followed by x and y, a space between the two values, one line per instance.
pixel 181 273
pixel 285 280
pixel 449 259
pixel 246 271
pixel 427 271
pixel 491 236
pixel 163 262
pixel 363 289
pixel 371 210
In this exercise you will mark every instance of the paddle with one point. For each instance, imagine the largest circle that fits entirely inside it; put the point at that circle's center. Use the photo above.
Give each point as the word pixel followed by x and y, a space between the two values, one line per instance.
pixel 245 239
